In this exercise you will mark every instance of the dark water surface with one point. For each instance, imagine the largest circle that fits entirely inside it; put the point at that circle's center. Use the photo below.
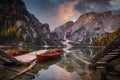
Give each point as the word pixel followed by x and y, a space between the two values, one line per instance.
pixel 68 67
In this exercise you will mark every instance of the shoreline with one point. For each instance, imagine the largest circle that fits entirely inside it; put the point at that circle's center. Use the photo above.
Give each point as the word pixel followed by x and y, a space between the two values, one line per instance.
pixel 2 46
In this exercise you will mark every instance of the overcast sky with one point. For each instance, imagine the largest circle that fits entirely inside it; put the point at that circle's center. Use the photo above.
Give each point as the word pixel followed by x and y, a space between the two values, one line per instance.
pixel 58 12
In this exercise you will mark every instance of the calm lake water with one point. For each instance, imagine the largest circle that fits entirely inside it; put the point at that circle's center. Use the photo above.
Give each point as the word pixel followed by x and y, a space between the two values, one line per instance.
pixel 68 67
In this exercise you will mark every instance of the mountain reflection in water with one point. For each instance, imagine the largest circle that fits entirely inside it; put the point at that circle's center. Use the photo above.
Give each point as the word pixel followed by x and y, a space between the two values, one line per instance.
pixel 68 67
pixel 55 72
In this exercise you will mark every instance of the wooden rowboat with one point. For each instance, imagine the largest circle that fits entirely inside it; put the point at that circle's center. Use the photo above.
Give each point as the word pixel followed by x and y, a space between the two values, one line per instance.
pixel 49 55
pixel 17 52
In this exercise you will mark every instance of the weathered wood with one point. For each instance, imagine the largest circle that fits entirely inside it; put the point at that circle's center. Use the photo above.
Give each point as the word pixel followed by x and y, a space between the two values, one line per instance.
pixel 1 75
pixel 107 58
pixel 25 70
pixel 118 47
pixel 104 64
pixel 110 56
pixel 4 58
pixel 104 61
pixel 111 59
pixel 98 64
pixel 11 58
pixel 85 62
pixel 30 56
pixel 101 60
pixel 115 43
pixel 115 53
pixel 116 50
pixel 16 70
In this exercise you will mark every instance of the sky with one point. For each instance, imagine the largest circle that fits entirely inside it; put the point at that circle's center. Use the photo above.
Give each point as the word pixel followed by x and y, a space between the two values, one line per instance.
pixel 58 12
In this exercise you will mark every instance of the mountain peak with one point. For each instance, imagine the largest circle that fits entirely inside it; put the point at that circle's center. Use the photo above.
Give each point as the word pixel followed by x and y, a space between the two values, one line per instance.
pixel 63 29
pixel 92 15
pixel 91 25
pixel 12 4
pixel 18 26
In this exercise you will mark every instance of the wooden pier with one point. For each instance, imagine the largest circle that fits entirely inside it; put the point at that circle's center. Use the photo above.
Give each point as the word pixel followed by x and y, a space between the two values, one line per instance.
pixel 21 59
pixel 108 54
pixel 6 58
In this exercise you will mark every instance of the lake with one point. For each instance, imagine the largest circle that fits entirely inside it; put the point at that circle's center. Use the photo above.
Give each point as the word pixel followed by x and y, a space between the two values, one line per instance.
pixel 68 67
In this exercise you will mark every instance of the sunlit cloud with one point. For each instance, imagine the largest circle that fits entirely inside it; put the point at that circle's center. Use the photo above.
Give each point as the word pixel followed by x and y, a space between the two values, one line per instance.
pixel 112 0
pixel 67 10
pixel 58 12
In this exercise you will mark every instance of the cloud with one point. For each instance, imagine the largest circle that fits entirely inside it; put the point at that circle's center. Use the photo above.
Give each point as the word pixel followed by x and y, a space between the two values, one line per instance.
pixel 66 10
pixel 115 5
pixel 58 12
pixel 98 5
pixel 112 0
pixel 92 5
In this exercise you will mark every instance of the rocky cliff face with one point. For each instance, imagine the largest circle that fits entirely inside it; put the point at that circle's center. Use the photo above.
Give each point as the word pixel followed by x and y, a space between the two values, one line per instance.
pixel 17 25
pixel 92 25
pixel 63 29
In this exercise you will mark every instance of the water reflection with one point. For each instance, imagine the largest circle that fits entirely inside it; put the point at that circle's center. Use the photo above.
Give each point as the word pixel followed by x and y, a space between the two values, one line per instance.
pixel 66 68
pixel 70 66
pixel 55 72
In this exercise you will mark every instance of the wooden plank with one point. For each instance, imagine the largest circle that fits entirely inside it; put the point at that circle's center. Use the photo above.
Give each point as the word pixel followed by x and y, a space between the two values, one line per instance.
pixel 113 58
pixel 5 59
pixel 1 75
pixel 11 58
pixel 101 60
pixel 101 64
pixel 116 50
pixel 118 47
pixel 2 57
pixel 24 71
pixel 104 64
pixel 115 53
pixel 1 60
pixel 110 56
pixel 107 49
pixel 106 58
pixel 16 70
pixel 29 57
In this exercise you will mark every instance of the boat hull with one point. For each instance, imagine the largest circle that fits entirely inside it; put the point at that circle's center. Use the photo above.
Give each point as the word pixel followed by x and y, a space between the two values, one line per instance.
pixel 50 55
pixel 17 52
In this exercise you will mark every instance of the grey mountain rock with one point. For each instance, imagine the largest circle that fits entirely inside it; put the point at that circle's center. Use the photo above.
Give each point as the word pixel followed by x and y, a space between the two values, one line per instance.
pixel 25 26
pixel 90 26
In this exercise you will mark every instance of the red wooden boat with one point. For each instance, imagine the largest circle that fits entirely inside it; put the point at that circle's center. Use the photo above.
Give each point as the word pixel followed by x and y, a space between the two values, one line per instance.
pixel 17 52
pixel 49 55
